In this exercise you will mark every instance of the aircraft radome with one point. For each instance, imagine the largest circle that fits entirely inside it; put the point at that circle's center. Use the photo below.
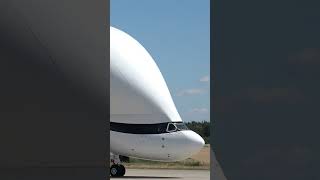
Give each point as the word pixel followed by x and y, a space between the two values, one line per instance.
pixel 144 120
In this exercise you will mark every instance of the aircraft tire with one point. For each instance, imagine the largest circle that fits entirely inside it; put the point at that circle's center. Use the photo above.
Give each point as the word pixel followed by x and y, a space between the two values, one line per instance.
pixel 122 170
pixel 117 170
pixel 114 171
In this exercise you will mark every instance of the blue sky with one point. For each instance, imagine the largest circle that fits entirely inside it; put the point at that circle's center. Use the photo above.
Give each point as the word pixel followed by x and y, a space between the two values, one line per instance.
pixel 177 35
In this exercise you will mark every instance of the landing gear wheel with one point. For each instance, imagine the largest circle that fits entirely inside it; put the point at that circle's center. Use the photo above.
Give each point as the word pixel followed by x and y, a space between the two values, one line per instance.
pixel 114 171
pixel 117 170
pixel 122 170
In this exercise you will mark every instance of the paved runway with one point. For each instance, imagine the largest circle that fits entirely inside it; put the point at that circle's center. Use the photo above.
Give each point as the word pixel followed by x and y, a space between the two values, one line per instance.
pixel 135 174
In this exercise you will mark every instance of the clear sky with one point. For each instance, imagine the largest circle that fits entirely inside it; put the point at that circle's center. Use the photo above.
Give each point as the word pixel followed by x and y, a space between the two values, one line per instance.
pixel 177 35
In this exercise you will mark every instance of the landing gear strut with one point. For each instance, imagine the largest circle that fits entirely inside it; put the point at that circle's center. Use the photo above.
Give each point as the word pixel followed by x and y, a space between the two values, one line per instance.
pixel 116 168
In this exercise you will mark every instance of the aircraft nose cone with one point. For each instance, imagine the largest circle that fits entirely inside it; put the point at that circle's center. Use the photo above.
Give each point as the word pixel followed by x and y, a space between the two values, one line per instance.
pixel 193 144
pixel 196 141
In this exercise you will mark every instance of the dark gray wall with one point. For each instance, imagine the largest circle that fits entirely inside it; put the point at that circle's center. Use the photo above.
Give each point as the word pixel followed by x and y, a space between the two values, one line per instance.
pixel 266 89
pixel 54 76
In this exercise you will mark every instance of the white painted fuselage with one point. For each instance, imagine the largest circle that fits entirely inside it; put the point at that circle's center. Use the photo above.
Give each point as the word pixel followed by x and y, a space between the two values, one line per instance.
pixel 144 120
pixel 173 146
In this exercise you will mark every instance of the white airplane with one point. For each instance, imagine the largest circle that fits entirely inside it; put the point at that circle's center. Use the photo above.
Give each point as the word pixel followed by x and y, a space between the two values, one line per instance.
pixel 144 123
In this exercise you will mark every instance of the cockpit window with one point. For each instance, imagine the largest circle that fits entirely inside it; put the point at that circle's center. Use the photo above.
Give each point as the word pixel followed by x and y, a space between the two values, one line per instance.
pixel 171 127
pixel 181 126
pixel 158 128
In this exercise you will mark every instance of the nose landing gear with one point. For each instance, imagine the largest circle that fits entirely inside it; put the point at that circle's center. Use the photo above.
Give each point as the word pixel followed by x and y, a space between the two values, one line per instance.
pixel 116 169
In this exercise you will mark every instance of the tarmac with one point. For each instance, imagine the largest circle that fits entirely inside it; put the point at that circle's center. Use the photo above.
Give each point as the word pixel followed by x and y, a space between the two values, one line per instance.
pixel 136 174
